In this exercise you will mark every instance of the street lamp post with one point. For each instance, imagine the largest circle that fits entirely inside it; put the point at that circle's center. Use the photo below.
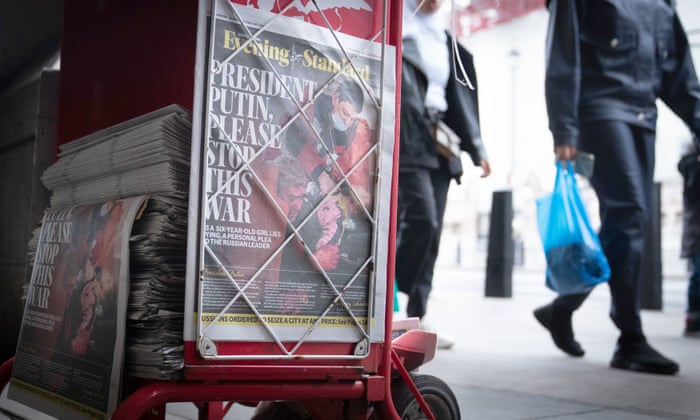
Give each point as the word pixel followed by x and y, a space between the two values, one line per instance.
pixel 513 57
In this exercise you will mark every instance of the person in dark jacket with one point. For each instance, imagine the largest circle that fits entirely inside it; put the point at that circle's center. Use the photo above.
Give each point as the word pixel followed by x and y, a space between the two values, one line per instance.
pixel 607 63
pixel 689 167
pixel 433 88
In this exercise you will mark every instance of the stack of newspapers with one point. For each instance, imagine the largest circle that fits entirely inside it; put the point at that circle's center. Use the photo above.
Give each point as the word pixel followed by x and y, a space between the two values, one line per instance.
pixel 154 344
pixel 146 156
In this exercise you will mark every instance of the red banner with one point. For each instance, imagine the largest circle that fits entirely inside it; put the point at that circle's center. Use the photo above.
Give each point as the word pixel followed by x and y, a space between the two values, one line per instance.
pixel 483 14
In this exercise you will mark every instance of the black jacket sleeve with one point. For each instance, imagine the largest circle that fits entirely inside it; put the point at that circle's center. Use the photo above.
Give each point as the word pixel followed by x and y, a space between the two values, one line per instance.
pixel 462 113
pixel 563 71
pixel 679 87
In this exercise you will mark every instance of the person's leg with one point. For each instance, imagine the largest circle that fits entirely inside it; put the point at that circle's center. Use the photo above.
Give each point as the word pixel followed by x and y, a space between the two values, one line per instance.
pixel 622 179
pixel 441 181
pixel 556 318
pixel 417 227
pixel 692 325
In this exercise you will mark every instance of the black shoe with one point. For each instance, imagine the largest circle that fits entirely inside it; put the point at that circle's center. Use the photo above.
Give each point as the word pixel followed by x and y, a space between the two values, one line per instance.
pixel 637 355
pixel 558 323
pixel 692 325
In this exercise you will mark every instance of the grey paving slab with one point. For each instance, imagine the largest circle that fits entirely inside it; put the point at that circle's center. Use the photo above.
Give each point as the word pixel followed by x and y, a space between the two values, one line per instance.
pixel 484 403
pixel 500 347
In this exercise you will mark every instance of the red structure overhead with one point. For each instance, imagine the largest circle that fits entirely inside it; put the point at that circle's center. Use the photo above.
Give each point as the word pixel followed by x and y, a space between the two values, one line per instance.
pixel 483 14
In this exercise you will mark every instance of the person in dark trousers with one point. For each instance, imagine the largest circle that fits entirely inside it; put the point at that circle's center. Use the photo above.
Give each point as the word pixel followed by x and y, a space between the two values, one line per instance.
pixel 607 63
pixel 689 167
pixel 433 88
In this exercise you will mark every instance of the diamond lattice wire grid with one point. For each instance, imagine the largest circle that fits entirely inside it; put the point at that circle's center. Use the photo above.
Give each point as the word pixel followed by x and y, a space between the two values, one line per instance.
pixel 323 261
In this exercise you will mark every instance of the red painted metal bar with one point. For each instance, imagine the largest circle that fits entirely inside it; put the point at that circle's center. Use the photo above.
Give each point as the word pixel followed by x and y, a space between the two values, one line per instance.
pixel 411 385
pixel 394 17
pixel 6 372
pixel 158 393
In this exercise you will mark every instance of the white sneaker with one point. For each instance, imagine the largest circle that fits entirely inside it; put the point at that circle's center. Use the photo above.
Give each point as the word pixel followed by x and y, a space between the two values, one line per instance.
pixel 444 342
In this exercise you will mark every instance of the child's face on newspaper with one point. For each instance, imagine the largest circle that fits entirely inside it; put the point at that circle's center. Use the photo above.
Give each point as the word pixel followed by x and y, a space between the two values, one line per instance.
pixel 329 212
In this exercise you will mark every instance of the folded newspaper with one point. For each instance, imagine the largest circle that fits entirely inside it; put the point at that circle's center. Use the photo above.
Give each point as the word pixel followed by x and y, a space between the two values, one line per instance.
pixel 106 285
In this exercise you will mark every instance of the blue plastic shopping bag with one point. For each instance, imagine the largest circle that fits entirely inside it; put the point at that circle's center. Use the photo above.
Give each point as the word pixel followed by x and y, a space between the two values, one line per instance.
pixel 575 260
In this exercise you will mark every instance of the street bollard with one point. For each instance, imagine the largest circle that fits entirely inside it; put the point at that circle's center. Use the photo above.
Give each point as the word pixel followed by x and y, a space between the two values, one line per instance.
pixel 499 261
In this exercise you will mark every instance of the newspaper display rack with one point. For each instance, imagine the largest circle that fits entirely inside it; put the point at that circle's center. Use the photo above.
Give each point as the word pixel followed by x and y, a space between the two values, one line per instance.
pixel 290 231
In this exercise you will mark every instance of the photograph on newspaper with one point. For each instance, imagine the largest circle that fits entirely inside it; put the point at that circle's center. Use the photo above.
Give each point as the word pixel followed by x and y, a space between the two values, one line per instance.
pixel 69 355
pixel 294 139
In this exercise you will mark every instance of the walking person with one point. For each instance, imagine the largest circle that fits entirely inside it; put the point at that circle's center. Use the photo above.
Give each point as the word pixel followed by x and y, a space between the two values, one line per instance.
pixel 607 63
pixel 432 89
pixel 689 167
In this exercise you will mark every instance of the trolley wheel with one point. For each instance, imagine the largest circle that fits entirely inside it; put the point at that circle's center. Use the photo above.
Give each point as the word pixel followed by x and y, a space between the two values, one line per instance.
pixel 437 395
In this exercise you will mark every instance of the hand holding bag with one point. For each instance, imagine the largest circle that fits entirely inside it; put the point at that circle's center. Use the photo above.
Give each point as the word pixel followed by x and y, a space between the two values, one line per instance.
pixel 575 259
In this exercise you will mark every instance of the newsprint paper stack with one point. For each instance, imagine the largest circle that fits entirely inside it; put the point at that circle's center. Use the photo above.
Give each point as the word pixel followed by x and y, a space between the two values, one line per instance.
pixel 147 156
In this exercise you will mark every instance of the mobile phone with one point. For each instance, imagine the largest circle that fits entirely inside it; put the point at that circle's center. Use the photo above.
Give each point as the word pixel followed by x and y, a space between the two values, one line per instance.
pixel 584 163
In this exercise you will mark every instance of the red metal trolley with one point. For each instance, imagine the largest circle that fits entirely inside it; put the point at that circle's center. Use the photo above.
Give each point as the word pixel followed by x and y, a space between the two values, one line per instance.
pixel 334 350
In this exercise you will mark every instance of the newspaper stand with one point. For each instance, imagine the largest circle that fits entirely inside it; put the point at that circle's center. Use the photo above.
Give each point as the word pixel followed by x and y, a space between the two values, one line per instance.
pixel 349 379
pixel 355 378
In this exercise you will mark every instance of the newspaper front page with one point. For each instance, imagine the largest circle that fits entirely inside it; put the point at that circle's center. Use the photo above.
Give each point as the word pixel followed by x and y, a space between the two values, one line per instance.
pixel 291 198
pixel 69 357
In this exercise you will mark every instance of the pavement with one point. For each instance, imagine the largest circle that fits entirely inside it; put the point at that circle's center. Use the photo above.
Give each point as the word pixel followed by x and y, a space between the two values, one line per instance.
pixel 504 365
